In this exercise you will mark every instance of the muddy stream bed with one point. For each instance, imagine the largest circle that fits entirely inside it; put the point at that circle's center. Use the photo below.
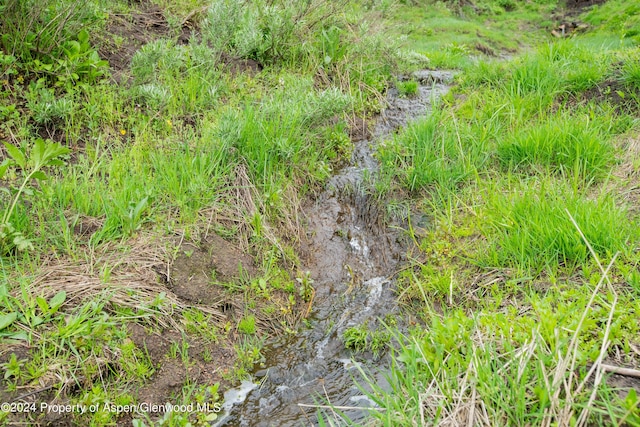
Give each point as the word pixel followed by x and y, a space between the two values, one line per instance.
pixel 352 256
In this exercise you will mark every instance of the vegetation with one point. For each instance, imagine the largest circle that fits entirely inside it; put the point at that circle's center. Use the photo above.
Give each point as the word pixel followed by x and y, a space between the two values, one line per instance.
pixel 136 136
pixel 156 156
pixel 526 280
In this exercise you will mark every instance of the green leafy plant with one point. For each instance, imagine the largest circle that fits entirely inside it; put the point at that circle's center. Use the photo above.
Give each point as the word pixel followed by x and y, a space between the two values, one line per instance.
pixel 43 154
pixel 247 325
pixel 133 218
pixel 7 319
pixel 332 47
pixel 51 307
pixel 306 286
pixel 49 38
pixel 13 367
pixel 80 62
pixel 356 337
pixel 24 309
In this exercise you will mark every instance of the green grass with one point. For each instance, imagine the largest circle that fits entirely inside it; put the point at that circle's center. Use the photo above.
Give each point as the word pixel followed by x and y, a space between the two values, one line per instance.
pixel 247 325
pixel 531 228
pixel 448 33
pixel 619 18
pixel 186 145
pixel 278 141
pixel 408 88
pixel 433 152
pixel 514 368
pixel 528 115
pixel 568 144
pixel 515 306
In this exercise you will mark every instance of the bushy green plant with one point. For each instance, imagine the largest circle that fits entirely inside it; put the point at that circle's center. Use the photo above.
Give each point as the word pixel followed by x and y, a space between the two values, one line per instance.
pixel 334 48
pixel 158 57
pixel 356 337
pixel 270 31
pixel 49 39
pixel 176 79
pixel 154 96
pixel 256 30
pixel 34 29
pixel 80 62
pixel 247 325
pixel 45 107
pixel 43 154
pixel 310 34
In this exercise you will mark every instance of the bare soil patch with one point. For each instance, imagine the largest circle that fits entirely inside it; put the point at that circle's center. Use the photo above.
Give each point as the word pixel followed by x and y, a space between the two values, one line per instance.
pixel 208 361
pixel 237 66
pixel 567 18
pixel 622 383
pixel 358 129
pixel 198 270
pixel 581 4
pixel 614 92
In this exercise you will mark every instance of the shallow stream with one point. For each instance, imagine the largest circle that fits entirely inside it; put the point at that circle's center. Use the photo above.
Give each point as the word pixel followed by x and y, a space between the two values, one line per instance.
pixel 352 257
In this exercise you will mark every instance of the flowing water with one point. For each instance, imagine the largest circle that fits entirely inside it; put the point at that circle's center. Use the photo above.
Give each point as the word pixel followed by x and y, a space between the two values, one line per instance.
pixel 352 256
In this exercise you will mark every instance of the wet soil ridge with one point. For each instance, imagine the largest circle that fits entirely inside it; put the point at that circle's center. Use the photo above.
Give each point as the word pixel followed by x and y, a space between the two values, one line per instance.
pixel 352 255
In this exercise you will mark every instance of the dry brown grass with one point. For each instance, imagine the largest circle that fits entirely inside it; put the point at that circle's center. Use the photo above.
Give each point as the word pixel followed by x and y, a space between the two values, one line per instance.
pixel 628 173
pixel 464 405
pixel 126 276
pixel 241 201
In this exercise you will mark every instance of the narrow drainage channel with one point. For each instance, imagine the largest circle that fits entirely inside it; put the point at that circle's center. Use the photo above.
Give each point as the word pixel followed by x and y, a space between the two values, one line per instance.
pixel 352 256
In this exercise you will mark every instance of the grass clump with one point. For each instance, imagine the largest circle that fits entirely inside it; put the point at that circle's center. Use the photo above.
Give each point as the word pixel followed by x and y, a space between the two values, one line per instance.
pixel 363 338
pixel 431 152
pixel 630 72
pixel 280 140
pixel 408 88
pixel 575 146
pixel 247 325
pixel 175 80
pixel 530 229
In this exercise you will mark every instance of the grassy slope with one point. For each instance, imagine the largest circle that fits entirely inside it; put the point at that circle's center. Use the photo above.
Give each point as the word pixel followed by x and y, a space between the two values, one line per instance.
pixel 522 307
pixel 450 35
pixel 159 160
pixel 182 138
